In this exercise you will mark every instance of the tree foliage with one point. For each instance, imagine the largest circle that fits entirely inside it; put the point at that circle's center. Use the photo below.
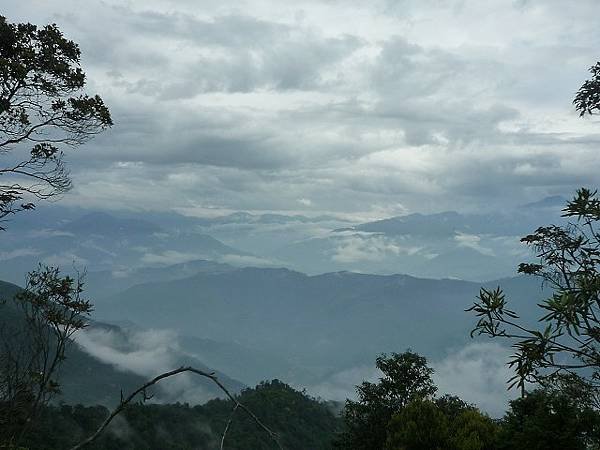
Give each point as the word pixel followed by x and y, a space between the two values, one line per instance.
pixel 587 99
pixel 406 377
pixel 446 423
pixel 300 421
pixel 42 110
pixel 421 425
pixel 550 420
pixel 46 314
pixel 568 341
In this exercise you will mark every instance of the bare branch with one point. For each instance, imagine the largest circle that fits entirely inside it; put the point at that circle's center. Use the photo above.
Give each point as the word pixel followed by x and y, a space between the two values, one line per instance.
pixel 229 421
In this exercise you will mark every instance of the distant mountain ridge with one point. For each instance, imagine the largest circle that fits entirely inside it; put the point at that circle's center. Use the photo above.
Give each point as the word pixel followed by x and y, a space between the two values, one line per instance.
pixel 101 242
pixel 446 244
pixel 92 379
pixel 266 218
pixel 324 323
pixel 103 224
pixel 447 224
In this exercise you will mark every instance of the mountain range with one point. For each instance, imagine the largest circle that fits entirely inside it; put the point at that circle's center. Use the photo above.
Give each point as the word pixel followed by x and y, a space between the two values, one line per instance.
pixel 308 328
pixel 92 374
pixel 476 247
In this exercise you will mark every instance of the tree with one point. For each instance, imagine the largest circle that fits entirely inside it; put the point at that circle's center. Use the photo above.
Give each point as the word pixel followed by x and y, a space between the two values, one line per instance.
pixel 549 420
pixel 447 423
pixel 473 430
pixel 42 111
pixel 421 425
pixel 35 332
pixel 587 99
pixel 406 378
pixel 568 343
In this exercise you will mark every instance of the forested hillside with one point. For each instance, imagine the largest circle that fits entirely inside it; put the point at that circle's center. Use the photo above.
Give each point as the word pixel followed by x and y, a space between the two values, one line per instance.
pixel 300 422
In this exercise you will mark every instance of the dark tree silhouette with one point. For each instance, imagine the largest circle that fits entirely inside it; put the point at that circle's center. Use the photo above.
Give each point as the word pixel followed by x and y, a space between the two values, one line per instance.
pixel 568 342
pixel 44 316
pixel 43 110
pixel 587 99
pixel 406 377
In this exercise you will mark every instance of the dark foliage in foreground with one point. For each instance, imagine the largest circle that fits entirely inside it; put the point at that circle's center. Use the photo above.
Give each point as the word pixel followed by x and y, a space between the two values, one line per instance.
pixel 300 421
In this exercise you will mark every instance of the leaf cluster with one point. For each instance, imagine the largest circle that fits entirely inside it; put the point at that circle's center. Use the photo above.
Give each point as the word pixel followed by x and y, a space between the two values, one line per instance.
pixel 47 312
pixel 567 341
pixel 42 109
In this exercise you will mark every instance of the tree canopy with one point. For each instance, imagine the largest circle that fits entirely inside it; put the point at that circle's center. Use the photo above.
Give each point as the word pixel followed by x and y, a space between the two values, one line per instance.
pixel 568 341
pixel 587 99
pixel 43 110
pixel 33 345
pixel 406 377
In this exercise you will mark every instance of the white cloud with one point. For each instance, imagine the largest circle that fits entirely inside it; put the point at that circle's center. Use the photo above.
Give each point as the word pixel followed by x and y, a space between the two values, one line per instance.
pixel 5 256
pixel 260 105
pixel 474 242
pixel 305 201
pixel 146 353
pixel 170 257
pixel 246 260
pixel 342 385
pixel 68 258
pixel 477 373
pixel 365 247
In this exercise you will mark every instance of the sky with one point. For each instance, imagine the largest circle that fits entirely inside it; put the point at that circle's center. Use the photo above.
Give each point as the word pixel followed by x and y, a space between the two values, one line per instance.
pixel 361 109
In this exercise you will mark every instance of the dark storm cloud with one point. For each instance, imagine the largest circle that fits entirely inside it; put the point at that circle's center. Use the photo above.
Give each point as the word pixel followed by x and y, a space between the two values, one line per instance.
pixel 336 106
pixel 232 53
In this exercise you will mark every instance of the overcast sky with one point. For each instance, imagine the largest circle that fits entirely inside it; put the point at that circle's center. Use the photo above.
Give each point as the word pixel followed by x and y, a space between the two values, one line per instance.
pixel 352 107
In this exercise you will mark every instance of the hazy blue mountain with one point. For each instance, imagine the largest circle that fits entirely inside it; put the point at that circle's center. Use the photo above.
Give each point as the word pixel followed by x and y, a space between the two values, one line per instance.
pixel 264 234
pixel 468 263
pixel 554 202
pixel 107 282
pixel 462 256
pixel 103 224
pixel 243 363
pixel 323 323
pixel 269 218
pixel 99 376
pixel 100 242
pixel 444 245
pixel 447 224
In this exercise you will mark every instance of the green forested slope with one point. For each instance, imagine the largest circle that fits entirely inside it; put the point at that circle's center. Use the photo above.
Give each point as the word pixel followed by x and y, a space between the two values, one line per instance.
pixel 300 422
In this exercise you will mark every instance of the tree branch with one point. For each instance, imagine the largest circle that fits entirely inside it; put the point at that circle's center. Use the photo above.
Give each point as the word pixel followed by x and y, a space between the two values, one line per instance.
pixel 227 426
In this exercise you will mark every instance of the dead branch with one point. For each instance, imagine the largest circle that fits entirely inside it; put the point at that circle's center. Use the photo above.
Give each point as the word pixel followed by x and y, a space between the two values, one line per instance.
pixel 227 426
pixel 124 402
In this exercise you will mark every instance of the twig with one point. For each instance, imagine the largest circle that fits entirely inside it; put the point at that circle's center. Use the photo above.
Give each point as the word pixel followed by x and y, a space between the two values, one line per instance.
pixel 162 376
pixel 228 425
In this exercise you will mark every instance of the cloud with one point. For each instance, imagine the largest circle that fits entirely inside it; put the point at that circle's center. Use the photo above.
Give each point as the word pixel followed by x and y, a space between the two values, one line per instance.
pixel 67 258
pixel 146 353
pixel 342 385
pixel 247 260
pixel 170 257
pixel 474 242
pixel 365 247
pixel 8 255
pixel 477 373
pixel 252 105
